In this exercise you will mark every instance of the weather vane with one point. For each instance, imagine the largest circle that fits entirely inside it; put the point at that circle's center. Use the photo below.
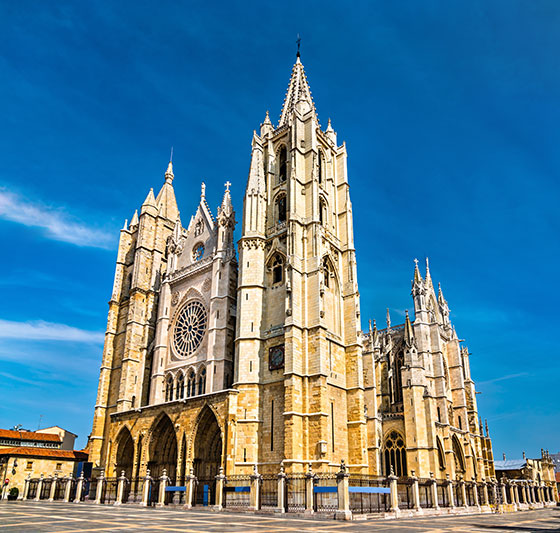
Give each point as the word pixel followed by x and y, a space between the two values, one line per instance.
pixel 298 42
pixel 171 156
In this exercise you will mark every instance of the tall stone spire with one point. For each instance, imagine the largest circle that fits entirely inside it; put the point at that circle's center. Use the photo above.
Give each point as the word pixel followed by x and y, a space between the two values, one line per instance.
pixel 298 93
pixel 166 201
pixel 256 180
pixel 408 332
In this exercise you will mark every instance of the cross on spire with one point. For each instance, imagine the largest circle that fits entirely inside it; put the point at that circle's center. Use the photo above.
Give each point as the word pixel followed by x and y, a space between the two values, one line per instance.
pixel 228 185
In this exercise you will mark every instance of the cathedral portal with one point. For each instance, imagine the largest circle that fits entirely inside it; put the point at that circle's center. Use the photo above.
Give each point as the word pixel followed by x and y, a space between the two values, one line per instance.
pixel 163 449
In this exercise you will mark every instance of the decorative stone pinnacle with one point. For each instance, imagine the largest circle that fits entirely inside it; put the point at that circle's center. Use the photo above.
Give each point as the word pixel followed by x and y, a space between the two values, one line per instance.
pixel 202 191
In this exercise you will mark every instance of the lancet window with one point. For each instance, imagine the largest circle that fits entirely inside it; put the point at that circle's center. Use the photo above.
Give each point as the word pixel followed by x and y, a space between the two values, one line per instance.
pixel 282 164
pixel 169 389
pixel 320 166
pixel 441 456
pixel 397 381
pixel 202 382
pixel 281 209
pixel 180 392
pixel 277 269
pixel 395 454
pixel 191 384
pixel 458 453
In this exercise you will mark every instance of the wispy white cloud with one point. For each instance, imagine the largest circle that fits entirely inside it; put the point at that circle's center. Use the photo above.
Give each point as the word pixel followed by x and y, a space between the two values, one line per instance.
pixel 502 378
pixel 47 331
pixel 57 224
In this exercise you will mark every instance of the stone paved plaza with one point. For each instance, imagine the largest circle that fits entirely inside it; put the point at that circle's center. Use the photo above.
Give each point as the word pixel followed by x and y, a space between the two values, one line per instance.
pixel 54 517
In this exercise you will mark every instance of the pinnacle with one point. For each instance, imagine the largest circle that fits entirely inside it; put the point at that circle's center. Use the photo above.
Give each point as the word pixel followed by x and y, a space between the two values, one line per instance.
pixel 169 172
pixel 298 89
pixel 150 199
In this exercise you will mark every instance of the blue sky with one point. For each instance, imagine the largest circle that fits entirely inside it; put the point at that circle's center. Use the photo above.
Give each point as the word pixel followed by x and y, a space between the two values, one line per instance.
pixel 450 112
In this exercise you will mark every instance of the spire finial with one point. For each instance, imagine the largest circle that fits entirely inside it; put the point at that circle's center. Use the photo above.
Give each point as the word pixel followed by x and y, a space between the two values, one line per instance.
pixel 388 319
pixel 298 42
pixel 228 185
pixel 171 156
pixel 202 191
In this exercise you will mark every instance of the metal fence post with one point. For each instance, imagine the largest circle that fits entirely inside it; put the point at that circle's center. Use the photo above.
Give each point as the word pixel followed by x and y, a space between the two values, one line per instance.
pixel 435 498
pixel 163 480
pixel 220 481
pixel 343 512
pixel 68 489
pixel 99 491
pixel 309 483
pixel 415 491
pixel 281 507
pixel 450 494
pixel 189 496
pixel 26 487
pixel 39 488
pixel 54 483
pixel 146 490
pixel 120 489
pixel 79 488
pixel 394 491
pixel 255 503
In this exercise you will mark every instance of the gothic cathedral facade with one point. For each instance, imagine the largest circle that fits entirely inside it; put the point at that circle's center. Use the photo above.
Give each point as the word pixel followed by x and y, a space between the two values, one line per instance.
pixel 214 359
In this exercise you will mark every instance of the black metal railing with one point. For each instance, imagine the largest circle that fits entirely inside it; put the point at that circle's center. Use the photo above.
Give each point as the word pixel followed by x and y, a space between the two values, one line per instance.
pixel 237 492
pixel 443 499
pixel 404 492
pixel 46 489
pixel 296 501
pixel 110 490
pixel 269 491
pixel 368 502
pixel 32 491
pixel 425 493
pixel 325 494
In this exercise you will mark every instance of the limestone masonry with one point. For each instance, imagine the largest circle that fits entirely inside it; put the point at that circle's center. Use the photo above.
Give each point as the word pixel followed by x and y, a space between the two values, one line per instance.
pixel 216 359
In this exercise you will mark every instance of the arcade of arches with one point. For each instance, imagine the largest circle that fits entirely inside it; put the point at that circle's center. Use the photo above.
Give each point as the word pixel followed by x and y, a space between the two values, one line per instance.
pixel 173 447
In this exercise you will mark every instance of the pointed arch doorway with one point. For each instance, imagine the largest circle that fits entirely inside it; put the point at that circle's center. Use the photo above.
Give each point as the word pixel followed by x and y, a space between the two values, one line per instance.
pixel 207 456
pixel 163 449
pixel 125 453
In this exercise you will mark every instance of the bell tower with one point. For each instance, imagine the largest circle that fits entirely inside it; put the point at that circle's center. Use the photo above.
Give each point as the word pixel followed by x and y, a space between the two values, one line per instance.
pixel 298 348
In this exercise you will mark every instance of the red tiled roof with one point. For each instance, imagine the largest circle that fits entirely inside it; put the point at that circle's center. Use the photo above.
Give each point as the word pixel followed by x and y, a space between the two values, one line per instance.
pixel 28 435
pixel 557 477
pixel 26 451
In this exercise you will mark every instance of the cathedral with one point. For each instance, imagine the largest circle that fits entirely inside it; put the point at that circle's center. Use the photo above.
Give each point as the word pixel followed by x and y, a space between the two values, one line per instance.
pixel 217 357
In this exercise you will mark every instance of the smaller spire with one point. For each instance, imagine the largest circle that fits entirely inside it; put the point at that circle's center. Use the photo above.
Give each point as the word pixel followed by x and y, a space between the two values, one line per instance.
pixel 169 173
pixel 486 427
pixel 125 224
pixel 417 275
pixel 267 119
pixel 329 126
pixel 150 199
pixel 134 220
pixel 408 332
pixel 428 276
pixel 388 319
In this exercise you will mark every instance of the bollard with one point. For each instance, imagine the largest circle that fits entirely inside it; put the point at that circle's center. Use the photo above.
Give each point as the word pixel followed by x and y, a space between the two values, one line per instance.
pixel 394 491
pixel 26 487
pixel 309 483
pixel 415 491
pixel 343 512
pixel 146 490
pixel 189 496
pixel 220 482
pixel 99 491
pixel 281 508
pixel 163 481
pixel 79 488
pixel 450 494
pixel 435 498
pixel 54 483
pixel 120 489
pixel 255 504
pixel 68 489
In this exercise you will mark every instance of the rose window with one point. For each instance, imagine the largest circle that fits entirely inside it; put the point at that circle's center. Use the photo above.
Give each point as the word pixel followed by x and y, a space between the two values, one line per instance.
pixel 190 328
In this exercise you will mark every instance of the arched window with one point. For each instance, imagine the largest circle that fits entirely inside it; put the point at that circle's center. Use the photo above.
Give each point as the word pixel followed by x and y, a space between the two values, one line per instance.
pixel 277 269
pixel 395 454
pixel 322 212
pixel 169 389
pixel 282 164
pixel 320 167
pixel 399 363
pixel 326 272
pixel 441 455
pixel 202 382
pixel 281 209
pixel 180 387
pixel 191 384
pixel 459 458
